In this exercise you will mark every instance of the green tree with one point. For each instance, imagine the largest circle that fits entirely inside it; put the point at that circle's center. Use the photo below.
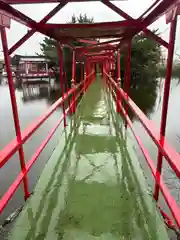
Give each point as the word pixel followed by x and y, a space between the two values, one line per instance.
pixel 145 59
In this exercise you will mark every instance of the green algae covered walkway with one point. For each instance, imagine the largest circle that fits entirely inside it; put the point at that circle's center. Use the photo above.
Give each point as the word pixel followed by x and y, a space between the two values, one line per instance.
pixel 93 186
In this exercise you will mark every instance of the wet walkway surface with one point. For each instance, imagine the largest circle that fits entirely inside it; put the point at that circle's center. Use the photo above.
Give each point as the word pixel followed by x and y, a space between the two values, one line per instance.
pixel 93 186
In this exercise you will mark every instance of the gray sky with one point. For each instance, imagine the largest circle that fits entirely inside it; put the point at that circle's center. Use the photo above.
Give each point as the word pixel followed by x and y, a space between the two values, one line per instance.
pixel 97 10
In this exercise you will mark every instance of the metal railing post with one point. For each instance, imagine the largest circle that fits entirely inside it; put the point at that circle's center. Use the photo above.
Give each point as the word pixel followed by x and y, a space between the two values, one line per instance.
pixel 172 37
pixel 127 76
pixel 62 83
pixel 73 107
pixel 15 110
pixel 118 95
pixel 82 71
pixel 128 70
pixel 85 76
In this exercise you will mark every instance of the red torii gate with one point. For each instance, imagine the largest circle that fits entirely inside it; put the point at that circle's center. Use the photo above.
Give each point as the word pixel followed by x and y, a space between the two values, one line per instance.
pixel 123 31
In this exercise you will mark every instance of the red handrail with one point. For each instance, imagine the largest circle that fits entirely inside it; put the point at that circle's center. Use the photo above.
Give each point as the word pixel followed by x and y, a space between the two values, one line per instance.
pixel 169 153
pixel 6 153
pixel 174 208
pixel 14 145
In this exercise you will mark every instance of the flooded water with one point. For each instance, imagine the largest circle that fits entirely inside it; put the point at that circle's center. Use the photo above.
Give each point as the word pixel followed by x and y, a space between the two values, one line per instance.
pixel 151 104
pixel 31 105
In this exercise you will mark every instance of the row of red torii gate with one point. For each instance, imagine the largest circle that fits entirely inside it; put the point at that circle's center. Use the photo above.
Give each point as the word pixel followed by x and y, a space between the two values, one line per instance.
pixel 113 36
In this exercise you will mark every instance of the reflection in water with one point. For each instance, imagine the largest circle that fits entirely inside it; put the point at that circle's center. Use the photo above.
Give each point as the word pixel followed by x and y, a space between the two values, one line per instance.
pixel 144 96
pixel 40 91
pixel 35 93
pixel 172 130
pixel 31 105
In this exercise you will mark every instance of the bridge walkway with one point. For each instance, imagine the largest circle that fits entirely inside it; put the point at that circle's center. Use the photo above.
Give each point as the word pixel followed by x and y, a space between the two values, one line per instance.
pixel 93 186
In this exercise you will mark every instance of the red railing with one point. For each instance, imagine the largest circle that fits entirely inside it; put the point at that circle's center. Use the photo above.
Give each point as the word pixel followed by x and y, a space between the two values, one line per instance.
pixel 16 144
pixel 106 59
pixel 172 157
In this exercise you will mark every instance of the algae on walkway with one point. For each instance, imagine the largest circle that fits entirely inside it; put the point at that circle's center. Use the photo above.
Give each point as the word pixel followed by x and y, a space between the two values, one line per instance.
pixel 93 186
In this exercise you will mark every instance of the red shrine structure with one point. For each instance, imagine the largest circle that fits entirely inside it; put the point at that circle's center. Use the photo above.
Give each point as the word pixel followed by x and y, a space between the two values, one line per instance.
pixel 116 35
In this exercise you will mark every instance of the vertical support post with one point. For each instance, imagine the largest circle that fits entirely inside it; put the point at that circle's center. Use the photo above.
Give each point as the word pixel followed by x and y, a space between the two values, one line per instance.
pixel 89 67
pixel 87 73
pixel 127 77
pixel 105 70
pixel 128 70
pixel 15 110
pixel 26 68
pixel 172 37
pixel 95 70
pixel 73 108
pixel 109 63
pixel 46 64
pixel 60 58
pixel 106 66
pixel 92 71
pixel 109 71
pixel 84 85
pixel 102 69
pixel 82 71
pixel 118 80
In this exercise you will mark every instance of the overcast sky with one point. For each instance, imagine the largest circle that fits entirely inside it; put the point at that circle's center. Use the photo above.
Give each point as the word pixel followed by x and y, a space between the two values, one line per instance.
pixel 97 10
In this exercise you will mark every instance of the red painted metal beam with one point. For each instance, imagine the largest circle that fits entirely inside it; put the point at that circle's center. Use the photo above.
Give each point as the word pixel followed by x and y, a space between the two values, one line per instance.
pixel 103 48
pixel 159 11
pixel 170 13
pixel 20 17
pixel 45 1
pixel 98 44
pixel 118 95
pixel 108 47
pixel 104 43
pixel 126 16
pixel 12 17
pixel 128 70
pixel 32 31
pixel 149 8
pixel 62 85
pixel 73 81
pixel 118 66
pixel 31 23
pixel 97 59
pixel 98 54
pixel 123 23
pixel 14 109
pixel 166 98
pixel 87 41
pixel 23 18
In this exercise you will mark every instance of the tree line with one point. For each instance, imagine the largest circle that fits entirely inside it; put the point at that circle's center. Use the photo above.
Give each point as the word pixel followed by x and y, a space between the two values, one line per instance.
pixel 145 56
